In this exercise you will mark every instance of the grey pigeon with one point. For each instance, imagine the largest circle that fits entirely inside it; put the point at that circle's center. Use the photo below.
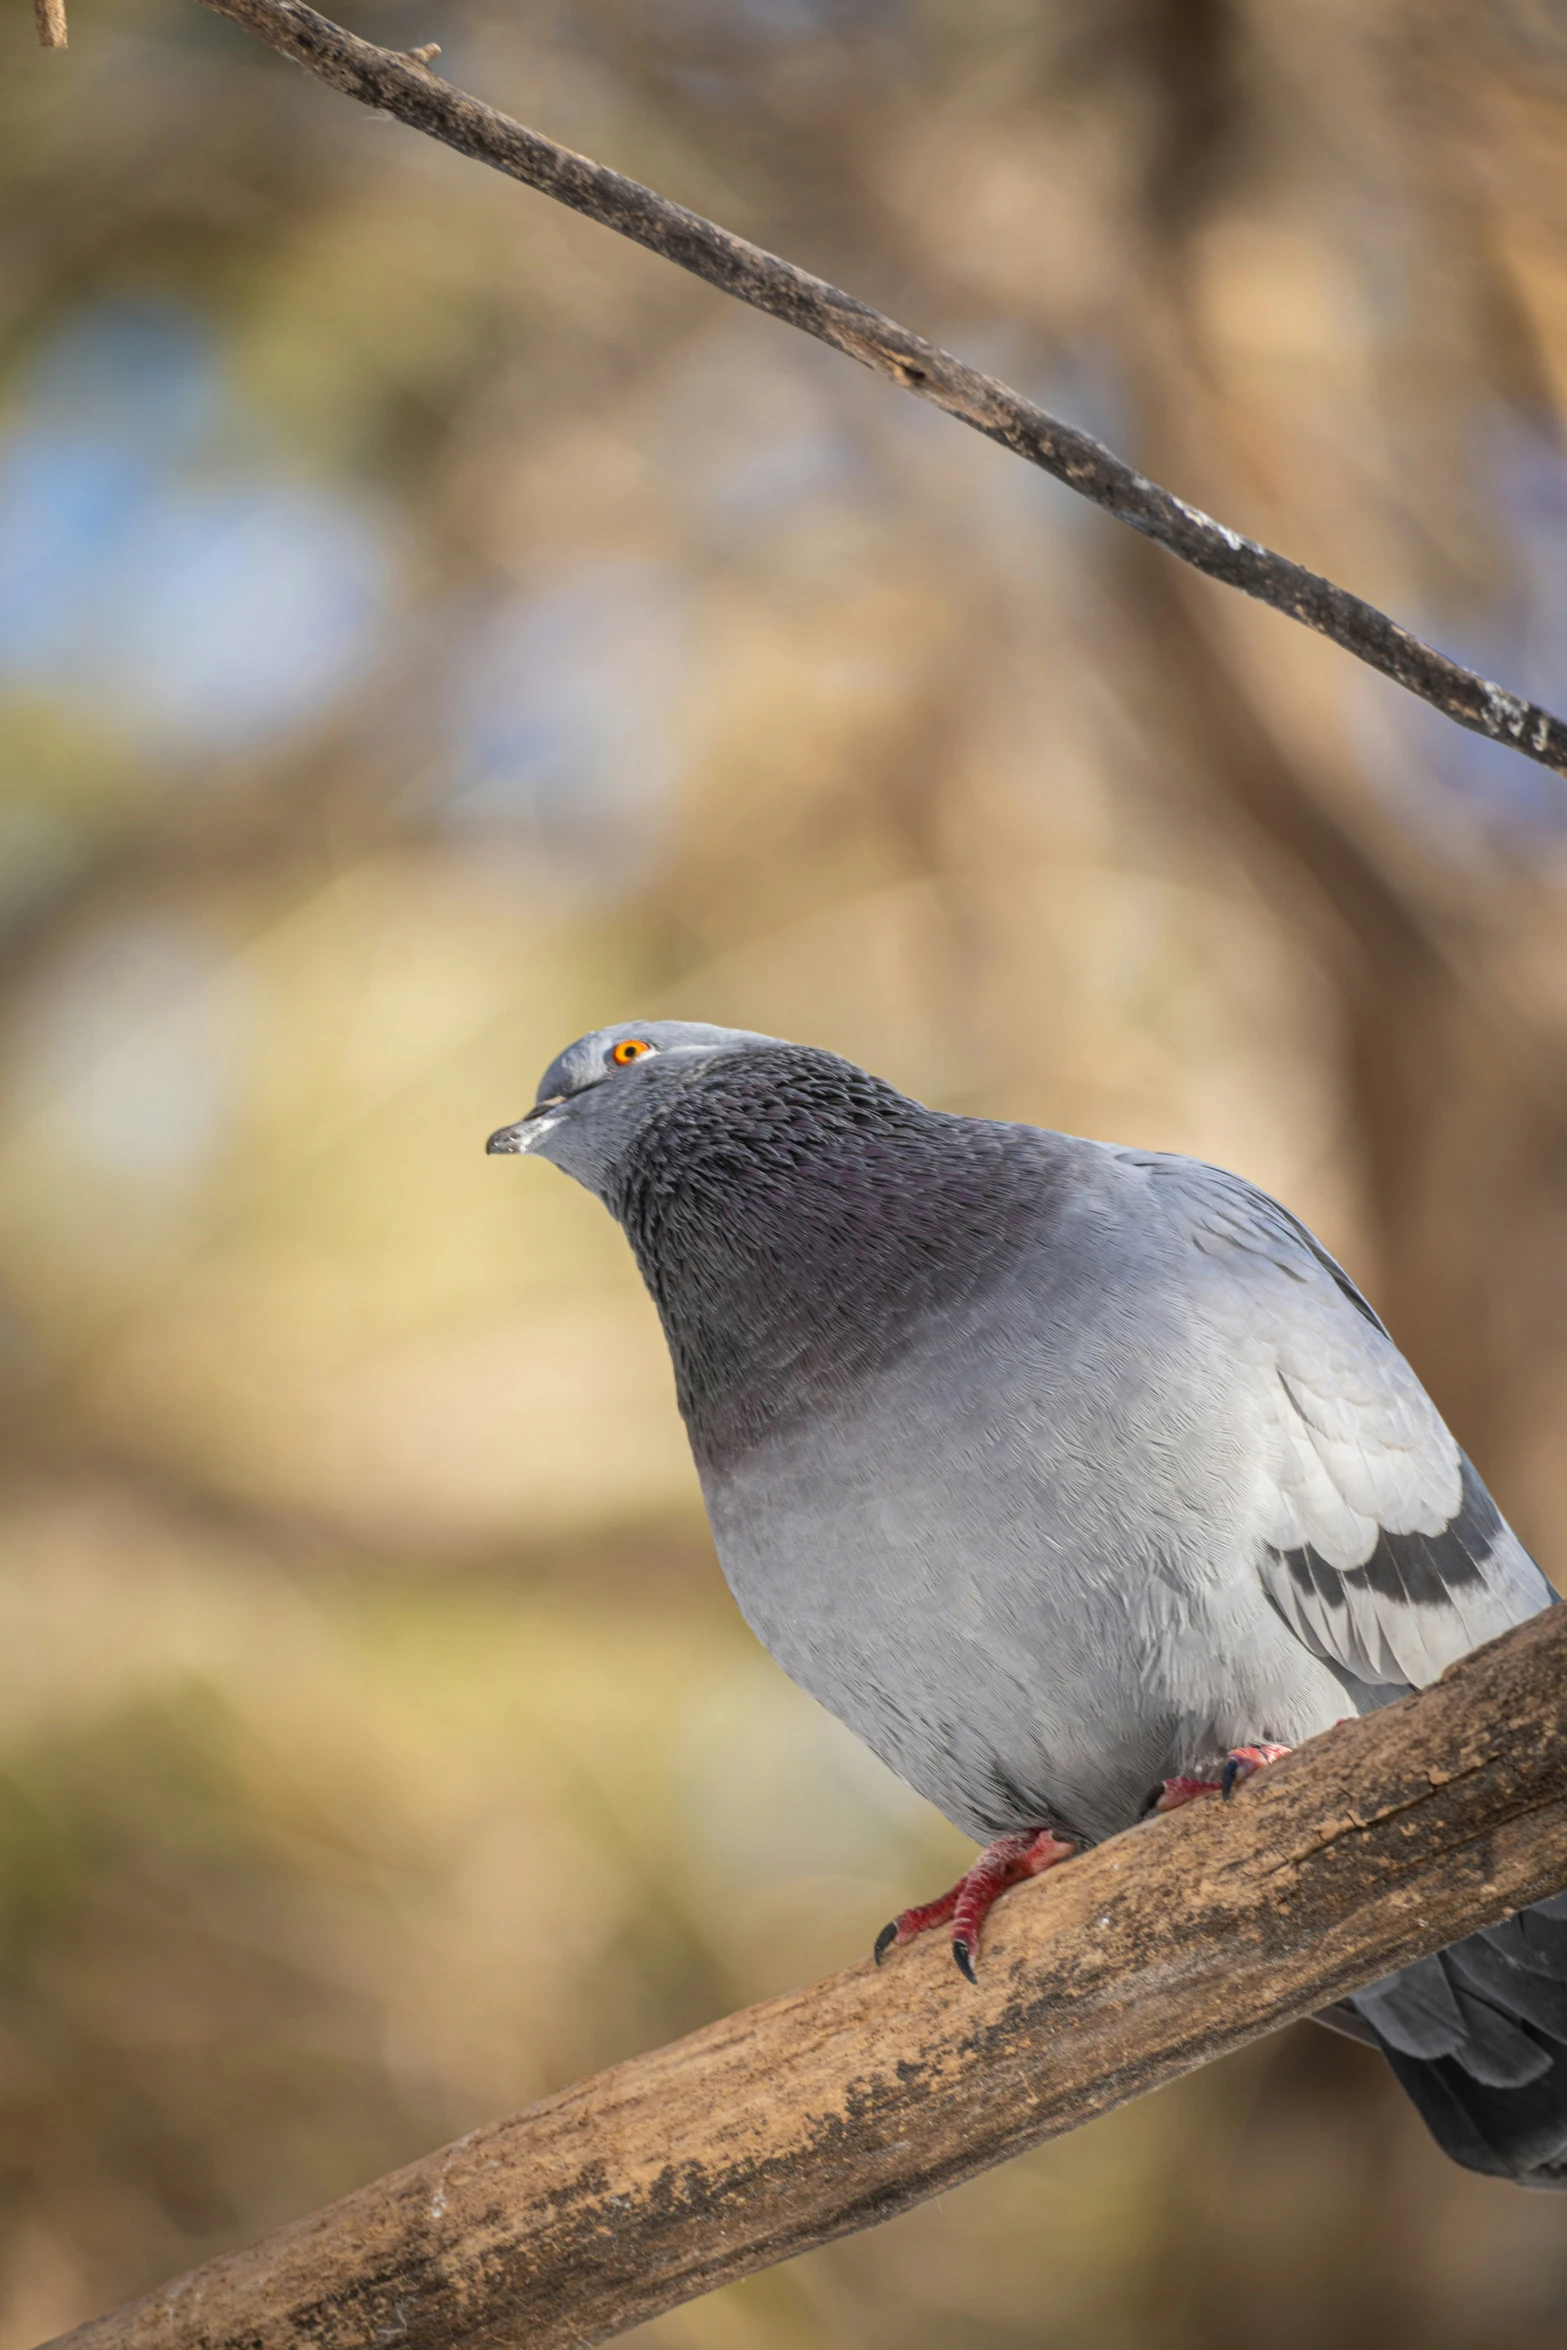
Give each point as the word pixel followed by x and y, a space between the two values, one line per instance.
pixel 1061 1472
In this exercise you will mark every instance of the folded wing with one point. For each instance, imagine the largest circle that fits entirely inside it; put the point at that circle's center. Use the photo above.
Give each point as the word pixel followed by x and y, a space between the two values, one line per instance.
pixel 1378 1543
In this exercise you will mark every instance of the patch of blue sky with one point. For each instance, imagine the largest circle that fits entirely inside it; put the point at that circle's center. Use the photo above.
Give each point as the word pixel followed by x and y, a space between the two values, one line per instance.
pixel 245 611
pixel 154 568
pixel 565 722
pixel 143 375
pixel 62 499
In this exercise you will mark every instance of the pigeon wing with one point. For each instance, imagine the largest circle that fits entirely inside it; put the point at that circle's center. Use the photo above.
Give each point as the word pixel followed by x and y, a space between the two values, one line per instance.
pixel 1379 1544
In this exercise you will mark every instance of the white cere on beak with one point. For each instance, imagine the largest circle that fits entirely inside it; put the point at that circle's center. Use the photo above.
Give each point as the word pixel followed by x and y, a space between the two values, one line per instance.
pixel 528 1132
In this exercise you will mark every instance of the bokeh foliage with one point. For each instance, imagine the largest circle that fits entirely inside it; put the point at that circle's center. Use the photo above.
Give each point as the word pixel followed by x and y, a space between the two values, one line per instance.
pixel 429 628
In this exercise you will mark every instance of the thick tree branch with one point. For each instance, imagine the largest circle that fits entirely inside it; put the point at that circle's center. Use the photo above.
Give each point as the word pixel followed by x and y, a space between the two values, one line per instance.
pixel 818 2113
pixel 403 85
pixel 49 15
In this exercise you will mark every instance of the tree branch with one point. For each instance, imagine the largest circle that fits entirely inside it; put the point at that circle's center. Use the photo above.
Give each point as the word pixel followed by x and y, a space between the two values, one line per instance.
pixel 818 2113
pixel 49 15
pixel 403 85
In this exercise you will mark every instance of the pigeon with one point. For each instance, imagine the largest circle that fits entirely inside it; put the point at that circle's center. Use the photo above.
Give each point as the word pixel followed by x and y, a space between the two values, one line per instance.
pixel 1078 1480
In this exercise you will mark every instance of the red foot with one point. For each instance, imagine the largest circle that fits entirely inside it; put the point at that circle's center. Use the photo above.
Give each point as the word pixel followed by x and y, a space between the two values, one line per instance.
pixel 1027 1853
pixel 1242 1762
pixel 1170 1794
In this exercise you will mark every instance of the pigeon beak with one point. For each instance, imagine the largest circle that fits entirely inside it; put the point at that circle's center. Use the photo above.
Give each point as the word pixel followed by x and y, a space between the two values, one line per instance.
pixel 528 1132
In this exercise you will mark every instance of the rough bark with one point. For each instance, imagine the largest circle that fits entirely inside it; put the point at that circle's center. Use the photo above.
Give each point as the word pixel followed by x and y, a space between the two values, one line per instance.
pixel 402 84
pixel 823 2111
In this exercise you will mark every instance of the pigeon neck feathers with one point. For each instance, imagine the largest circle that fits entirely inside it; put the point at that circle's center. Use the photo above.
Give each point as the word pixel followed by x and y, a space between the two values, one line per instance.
pixel 798 1222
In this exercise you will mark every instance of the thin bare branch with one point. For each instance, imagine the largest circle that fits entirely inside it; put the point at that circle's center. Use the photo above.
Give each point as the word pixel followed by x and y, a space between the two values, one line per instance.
pixel 821 2112
pixel 403 84
pixel 50 18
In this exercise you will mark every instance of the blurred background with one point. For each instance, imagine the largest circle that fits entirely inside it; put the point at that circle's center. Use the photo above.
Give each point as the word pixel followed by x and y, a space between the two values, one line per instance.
pixel 430 628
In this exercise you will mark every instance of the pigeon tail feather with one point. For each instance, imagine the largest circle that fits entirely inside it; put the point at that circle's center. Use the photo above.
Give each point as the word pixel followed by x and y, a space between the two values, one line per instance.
pixel 1478 2039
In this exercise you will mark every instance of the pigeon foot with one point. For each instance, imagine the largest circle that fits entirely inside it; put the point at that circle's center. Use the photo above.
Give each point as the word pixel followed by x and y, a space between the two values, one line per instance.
pixel 1170 1794
pixel 1028 1852
pixel 1242 1762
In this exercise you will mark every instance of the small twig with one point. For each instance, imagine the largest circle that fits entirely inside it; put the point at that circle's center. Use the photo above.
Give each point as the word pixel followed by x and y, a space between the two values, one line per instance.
pixel 386 80
pixel 50 17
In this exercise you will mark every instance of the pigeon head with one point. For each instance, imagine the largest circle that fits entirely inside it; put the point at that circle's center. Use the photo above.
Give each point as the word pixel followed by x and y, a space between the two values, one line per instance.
pixel 597 1097
pixel 796 1220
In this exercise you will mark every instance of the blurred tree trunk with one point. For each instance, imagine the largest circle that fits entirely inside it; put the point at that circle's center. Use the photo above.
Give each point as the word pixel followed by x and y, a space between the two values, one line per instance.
pixel 1454 1034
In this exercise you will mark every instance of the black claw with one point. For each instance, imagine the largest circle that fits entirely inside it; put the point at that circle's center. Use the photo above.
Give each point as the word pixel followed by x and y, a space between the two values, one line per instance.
pixel 964 1963
pixel 1232 1771
pixel 884 1941
pixel 1150 1800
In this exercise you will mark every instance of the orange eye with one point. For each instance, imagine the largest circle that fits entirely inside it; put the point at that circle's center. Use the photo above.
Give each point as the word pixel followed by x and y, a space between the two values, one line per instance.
pixel 630 1048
